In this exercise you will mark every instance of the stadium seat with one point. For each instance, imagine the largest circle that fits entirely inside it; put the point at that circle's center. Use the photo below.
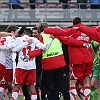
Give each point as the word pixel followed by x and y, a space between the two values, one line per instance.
pixel 88 6
pixel 42 5
pixel 59 5
pixel 73 6
pixel 24 5
pixel 4 6
pixel 52 6
pixel 36 6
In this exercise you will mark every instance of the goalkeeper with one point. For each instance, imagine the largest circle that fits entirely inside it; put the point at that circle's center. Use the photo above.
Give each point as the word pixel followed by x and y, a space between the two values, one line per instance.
pixel 96 70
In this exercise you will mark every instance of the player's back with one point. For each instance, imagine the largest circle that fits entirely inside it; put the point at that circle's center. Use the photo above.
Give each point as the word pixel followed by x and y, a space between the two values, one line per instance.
pixel 31 63
pixel 3 53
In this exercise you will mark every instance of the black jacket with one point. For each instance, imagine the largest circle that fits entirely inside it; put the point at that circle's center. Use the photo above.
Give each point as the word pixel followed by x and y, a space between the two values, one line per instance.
pixel 64 1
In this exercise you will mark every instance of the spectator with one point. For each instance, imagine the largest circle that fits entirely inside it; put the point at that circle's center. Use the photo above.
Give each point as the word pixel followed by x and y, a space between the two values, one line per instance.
pixel 32 9
pixel 64 6
pixel 14 4
pixel 82 6
pixel 44 1
pixel 95 4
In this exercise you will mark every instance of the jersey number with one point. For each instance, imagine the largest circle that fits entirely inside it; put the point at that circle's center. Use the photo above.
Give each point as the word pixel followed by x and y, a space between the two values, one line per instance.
pixel 2 41
pixel 26 50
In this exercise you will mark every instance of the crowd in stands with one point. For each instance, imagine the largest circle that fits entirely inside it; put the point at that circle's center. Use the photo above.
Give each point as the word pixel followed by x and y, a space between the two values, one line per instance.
pixel 65 3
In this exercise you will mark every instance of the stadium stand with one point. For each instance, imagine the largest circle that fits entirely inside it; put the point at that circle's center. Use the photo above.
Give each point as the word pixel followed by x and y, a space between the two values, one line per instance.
pixel 51 12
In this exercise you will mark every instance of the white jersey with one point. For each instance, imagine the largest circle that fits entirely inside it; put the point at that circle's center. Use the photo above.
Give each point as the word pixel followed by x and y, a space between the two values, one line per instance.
pixel 23 48
pixel 4 53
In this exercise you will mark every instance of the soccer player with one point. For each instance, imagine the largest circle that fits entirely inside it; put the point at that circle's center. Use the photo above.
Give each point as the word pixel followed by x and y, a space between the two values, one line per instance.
pixel 92 32
pixel 3 34
pixel 6 62
pixel 80 58
pixel 95 70
pixel 25 72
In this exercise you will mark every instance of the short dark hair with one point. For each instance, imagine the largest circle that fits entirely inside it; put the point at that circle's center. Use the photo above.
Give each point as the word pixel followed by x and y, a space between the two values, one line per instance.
pixel 76 20
pixel 21 31
pixel 28 31
pixel 34 28
pixel 11 28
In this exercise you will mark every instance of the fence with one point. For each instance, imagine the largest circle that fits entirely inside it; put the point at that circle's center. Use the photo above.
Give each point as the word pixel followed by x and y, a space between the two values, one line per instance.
pixel 48 12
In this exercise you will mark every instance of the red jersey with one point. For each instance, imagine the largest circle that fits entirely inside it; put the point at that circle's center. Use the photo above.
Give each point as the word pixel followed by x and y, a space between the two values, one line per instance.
pixel 77 53
pixel 93 33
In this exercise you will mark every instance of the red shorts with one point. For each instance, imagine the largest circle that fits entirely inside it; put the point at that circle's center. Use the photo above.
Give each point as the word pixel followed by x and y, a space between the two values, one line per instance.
pixel 27 77
pixel 8 78
pixel 79 71
pixel 3 71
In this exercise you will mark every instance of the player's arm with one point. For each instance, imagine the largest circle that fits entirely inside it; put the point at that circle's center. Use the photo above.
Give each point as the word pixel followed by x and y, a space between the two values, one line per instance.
pixel 95 44
pixel 59 31
pixel 3 34
pixel 72 42
pixel 21 46
pixel 4 47
pixel 42 46
pixel 31 54
pixel 3 40
pixel 10 45
pixel 92 33
pixel 35 53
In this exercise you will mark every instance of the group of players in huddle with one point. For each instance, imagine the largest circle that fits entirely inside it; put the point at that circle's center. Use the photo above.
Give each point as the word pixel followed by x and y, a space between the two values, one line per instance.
pixel 84 55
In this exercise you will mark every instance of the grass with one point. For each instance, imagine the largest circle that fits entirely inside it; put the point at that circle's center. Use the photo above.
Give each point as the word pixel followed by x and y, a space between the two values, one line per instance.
pixel 21 98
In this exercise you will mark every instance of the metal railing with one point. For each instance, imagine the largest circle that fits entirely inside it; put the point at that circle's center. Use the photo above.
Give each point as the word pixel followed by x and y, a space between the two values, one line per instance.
pixel 48 12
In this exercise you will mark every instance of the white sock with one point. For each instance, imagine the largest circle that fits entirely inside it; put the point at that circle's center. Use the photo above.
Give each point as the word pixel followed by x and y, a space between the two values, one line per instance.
pixel 87 92
pixel 2 93
pixel 14 95
pixel 33 97
pixel 73 93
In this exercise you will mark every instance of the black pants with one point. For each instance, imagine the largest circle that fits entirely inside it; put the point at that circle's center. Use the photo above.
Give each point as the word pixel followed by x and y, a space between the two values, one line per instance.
pixel 82 6
pixel 65 87
pixel 26 92
pixel 38 83
pixel 51 82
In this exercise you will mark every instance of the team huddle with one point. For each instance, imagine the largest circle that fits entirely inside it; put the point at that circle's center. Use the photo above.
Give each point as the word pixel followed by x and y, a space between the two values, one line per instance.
pixel 19 50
